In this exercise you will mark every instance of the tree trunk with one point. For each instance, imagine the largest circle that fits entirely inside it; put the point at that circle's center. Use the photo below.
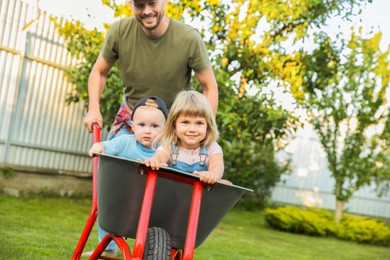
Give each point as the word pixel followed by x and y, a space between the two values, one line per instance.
pixel 338 213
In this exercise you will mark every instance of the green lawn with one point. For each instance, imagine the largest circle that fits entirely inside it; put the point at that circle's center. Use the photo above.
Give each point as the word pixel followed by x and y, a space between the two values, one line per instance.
pixel 49 228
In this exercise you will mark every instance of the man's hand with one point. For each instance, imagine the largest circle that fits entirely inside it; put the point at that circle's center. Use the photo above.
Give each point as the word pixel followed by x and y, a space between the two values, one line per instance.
pixel 93 116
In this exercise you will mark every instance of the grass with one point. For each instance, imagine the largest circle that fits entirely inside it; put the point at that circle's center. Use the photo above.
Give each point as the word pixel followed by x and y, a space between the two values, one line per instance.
pixel 49 228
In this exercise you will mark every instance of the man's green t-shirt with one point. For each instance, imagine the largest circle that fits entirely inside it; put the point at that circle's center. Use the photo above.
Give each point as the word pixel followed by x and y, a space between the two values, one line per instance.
pixel 155 67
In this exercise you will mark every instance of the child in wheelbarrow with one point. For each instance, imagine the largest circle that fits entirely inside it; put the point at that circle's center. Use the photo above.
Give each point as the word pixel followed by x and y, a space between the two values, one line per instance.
pixel 147 122
pixel 188 141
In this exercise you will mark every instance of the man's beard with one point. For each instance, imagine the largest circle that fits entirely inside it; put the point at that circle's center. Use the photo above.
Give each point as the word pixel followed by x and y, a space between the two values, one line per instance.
pixel 159 19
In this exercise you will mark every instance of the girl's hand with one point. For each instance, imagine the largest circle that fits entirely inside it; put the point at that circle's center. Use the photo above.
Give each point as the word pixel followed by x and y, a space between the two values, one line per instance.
pixel 96 148
pixel 159 159
pixel 155 165
pixel 207 177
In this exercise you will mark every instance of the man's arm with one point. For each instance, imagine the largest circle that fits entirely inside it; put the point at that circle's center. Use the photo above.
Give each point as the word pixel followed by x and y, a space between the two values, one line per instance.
pixel 209 85
pixel 96 85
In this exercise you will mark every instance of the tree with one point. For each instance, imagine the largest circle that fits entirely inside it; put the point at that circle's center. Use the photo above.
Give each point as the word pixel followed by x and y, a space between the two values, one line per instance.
pixel 345 95
pixel 246 40
pixel 258 59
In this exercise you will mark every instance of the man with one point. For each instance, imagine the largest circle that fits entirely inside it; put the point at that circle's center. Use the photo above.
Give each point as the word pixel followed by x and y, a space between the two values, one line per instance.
pixel 157 55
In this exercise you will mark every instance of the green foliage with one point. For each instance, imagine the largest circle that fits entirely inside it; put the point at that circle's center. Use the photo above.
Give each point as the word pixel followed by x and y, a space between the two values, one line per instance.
pixel 84 45
pixel 364 230
pixel 7 172
pixel 253 127
pixel 316 222
pixel 250 128
pixel 295 220
pixel 346 100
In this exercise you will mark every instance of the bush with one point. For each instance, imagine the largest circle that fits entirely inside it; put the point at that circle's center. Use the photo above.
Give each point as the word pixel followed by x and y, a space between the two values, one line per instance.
pixel 319 222
pixel 364 230
pixel 295 220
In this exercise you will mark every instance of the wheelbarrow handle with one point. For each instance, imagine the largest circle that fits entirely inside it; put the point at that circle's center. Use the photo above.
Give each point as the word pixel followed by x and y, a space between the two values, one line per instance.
pixel 94 211
pixel 95 132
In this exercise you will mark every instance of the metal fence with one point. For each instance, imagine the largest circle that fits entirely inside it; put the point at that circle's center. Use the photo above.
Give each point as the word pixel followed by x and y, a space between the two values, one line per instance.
pixel 37 128
pixel 310 183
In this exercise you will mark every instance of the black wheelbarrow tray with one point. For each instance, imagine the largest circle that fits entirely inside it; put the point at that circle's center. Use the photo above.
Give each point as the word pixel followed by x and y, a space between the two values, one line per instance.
pixel 168 212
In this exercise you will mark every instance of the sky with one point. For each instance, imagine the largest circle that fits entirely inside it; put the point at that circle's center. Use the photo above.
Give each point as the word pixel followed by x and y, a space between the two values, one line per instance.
pixel 93 13
pixel 374 16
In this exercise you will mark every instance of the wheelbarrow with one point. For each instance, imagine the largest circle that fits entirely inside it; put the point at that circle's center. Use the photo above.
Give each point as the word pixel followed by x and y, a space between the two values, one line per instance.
pixel 168 212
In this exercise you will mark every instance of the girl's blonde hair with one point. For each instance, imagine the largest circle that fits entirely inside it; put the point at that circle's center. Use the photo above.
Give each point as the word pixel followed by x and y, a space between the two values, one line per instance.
pixel 189 103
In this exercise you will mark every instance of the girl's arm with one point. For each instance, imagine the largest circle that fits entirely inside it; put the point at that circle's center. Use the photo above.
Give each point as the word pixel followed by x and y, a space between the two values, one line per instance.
pixel 96 148
pixel 215 170
pixel 160 158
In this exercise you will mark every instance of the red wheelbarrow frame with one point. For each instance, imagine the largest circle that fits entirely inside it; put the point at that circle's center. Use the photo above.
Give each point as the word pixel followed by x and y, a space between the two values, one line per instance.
pixel 145 215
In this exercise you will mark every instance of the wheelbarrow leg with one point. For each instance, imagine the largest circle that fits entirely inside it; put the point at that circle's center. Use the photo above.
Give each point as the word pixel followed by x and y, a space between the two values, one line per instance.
pixel 92 216
pixel 85 235
pixel 104 243
pixel 175 254
pixel 193 219
pixel 143 223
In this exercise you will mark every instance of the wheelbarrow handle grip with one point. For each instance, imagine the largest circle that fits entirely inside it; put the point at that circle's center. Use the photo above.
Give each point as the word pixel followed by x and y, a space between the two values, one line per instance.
pixel 95 132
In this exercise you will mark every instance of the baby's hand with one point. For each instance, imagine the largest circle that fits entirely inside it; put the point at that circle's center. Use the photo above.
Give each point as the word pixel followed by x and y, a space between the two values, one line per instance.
pixel 96 148
pixel 207 177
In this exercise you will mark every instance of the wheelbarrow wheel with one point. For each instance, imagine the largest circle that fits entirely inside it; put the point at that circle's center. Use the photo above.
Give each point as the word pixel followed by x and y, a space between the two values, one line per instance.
pixel 158 244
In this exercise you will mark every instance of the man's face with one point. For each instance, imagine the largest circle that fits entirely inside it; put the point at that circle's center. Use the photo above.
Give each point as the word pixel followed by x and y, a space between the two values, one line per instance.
pixel 148 12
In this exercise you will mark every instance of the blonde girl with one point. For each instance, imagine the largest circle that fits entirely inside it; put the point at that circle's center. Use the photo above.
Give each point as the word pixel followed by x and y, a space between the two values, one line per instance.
pixel 188 141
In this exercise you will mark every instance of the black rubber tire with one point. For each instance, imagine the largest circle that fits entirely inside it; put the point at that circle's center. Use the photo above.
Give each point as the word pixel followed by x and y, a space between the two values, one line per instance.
pixel 158 244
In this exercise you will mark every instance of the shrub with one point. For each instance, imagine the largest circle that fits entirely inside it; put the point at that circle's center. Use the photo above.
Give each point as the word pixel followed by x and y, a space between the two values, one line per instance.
pixel 295 220
pixel 363 230
pixel 319 222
